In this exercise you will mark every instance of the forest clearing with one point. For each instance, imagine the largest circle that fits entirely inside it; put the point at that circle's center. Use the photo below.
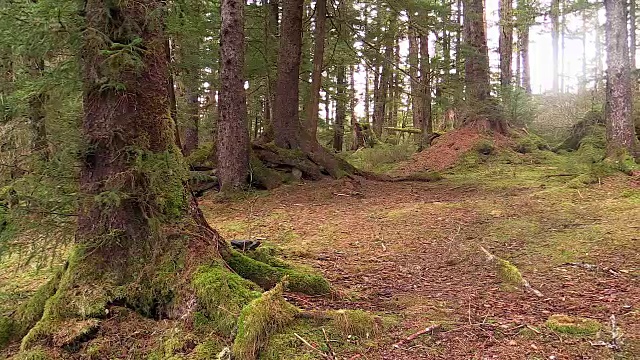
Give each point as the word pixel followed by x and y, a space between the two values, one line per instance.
pixel 312 179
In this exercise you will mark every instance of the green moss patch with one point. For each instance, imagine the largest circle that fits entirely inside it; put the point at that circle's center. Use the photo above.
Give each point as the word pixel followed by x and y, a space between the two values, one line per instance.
pixel 357 323
pixel 221 296
pixel 267 276
pixel 573 325
pixel 258 320
pixel 509 273
pixel 6 330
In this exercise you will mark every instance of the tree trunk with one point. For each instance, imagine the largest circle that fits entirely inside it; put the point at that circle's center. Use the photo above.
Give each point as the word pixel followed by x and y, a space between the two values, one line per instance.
pixel 598 78
pixel 506 43
pixel 36 115
pixel 523 37
pixel 425 91
pixel 621 137
pixel 286 122
pixel 191 135
pixel 380 97
pixel 416 107
pixel 271 14
pixel 477 61
pixel 233 132
pixel 341 108
pixel 563 26
pixel 555 37
pixel 585 31
pixel 316 75
pixel 632 37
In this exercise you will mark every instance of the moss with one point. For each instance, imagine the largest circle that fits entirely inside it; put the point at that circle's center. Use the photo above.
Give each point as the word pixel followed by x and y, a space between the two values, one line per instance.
pixel 484 147
pixel 28 315
pixel 264 177
pixel 530 143
pixel 175 343
pixel 268 276
pixel 202 156
pixel 582 181
pixel 33 354
pixel 267 255
pixel 356 323
pixel 206 350
pixel 573 325
pixel 258 320
pixel 6 331
pixel 509 273
pixel 221 295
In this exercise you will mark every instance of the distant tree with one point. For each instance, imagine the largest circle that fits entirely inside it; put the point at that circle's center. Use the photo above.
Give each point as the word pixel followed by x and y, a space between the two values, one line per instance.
pixel 506 42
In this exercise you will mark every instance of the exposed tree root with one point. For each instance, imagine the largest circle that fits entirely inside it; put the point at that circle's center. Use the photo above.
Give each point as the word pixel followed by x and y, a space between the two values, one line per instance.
pixel 316 163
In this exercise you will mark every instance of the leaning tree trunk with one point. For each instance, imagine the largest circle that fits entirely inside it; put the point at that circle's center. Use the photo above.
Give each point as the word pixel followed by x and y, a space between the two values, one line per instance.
pixel 621 137
pixel 233 133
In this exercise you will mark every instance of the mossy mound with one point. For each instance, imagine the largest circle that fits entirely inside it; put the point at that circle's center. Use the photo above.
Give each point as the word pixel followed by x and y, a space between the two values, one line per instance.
pixel 509 273
pixel 573 325
pixel 221 296
pixel 529 143
pixel 356 323
pixel 258 320
pixel 268 274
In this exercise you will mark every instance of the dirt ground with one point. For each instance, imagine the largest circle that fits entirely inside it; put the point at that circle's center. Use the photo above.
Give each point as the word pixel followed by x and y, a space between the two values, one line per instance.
pixel 411 251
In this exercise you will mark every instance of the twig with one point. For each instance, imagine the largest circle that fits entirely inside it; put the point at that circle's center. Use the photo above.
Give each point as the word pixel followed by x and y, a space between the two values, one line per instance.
pixel 311 346
pixel 333 354
pixel 415 335
pixel 523 282
pixel 533 329
pixel 615 335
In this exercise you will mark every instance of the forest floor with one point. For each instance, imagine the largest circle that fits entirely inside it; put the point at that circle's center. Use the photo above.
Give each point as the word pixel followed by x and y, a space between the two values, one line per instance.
pixel 411 252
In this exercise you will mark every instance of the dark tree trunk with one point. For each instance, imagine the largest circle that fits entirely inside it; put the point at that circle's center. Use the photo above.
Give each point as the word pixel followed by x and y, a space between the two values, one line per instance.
pixel 271 52
pixel 621 137
pixel 380 96
pixel 632 36
pixel 555 37
pixel 598 77
pixel 477 61
pixel 416 108
pixel 286 121
pixel 316 75
pixel 506 43
pixel 341 108
pixel 191 129
pixel 524 54
pixel 425 91
pixel 233 131
pixel 36 114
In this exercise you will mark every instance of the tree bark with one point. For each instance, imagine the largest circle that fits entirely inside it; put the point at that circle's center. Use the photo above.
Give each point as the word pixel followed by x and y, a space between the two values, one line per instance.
pixel 316 75
pixel 191 135
pixel 233 131
pixel 426 124
pixel 286 122
pixel 523 38
pixel 632 36
pixel 598 78
pixel 36 115
pixel 555 37
pixel 416 107
pixel 341 108
pixel 477 61
pixel 271 14
pixel 380 96
pixel 621 137
pixel 506 43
